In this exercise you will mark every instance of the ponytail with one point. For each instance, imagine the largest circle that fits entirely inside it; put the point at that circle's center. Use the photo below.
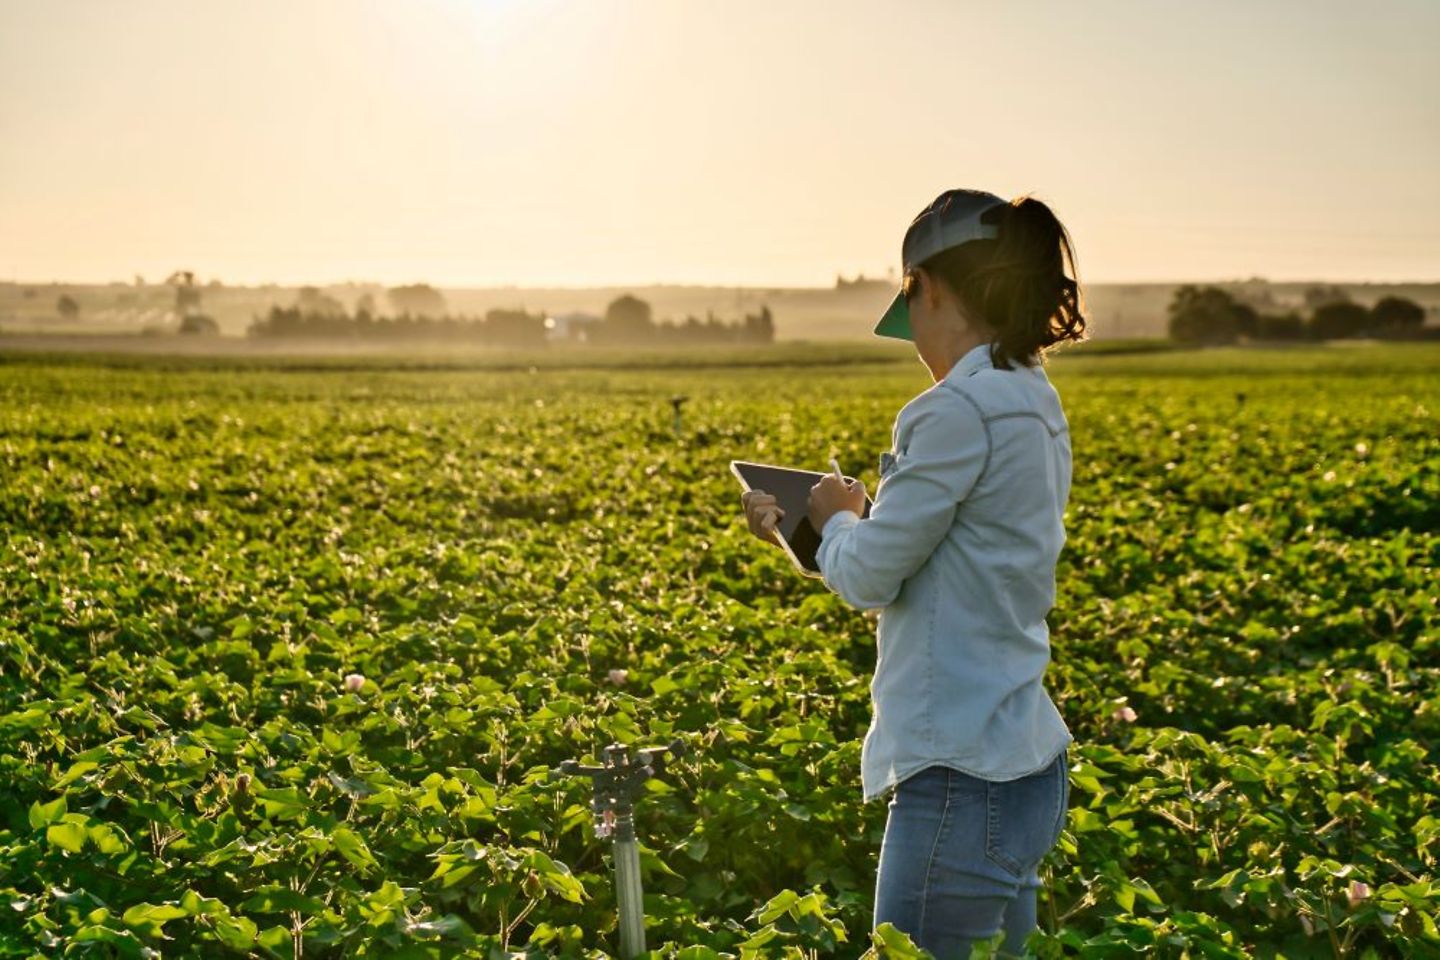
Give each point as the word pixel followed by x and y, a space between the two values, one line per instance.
pixel 1016 283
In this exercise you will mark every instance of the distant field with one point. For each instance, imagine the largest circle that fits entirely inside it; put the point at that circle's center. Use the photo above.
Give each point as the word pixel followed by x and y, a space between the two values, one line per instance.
pixel 198 550
pixel 223 352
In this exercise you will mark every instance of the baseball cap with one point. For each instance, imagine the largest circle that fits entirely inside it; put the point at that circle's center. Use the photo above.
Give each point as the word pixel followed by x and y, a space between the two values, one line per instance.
pixel 951 219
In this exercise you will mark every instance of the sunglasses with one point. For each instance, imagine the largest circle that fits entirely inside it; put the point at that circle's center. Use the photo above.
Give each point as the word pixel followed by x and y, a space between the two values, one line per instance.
pixel 910 284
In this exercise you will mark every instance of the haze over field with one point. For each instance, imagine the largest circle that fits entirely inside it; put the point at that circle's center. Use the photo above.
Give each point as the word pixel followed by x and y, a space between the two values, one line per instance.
pixel 844 312
pixel 470 143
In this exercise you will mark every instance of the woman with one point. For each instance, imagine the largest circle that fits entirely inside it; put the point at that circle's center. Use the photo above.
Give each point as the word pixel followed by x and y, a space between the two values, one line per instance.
pixel 958 554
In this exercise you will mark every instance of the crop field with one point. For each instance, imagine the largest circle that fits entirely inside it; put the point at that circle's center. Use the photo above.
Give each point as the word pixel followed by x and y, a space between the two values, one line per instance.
pixel 287 652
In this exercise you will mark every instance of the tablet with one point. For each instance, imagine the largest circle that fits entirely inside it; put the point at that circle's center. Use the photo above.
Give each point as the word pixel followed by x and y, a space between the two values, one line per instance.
pixel 791 489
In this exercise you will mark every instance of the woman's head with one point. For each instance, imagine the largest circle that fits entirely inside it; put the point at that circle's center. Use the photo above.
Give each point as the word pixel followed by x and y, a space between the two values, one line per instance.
pixel 1007 286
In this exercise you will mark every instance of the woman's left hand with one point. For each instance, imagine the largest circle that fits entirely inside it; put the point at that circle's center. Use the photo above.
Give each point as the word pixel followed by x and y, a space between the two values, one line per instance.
pixel 830 496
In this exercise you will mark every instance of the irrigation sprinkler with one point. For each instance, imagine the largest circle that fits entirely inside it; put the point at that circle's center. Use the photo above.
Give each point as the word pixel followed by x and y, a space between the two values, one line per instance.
pixel 677 402
pixel 618 782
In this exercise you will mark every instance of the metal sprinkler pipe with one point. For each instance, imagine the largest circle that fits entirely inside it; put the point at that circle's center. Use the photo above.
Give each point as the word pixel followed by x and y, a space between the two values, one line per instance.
pixel 618 781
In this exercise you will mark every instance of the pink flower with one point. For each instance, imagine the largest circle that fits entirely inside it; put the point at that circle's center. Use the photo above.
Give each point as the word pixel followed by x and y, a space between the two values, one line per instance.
pixel 618 677
pixel 353 682
pixel 1357 892
pixel 1126 713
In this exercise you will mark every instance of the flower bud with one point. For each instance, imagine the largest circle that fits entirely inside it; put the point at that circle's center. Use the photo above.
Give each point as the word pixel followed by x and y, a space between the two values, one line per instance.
pixel 531 885
pixel 353 682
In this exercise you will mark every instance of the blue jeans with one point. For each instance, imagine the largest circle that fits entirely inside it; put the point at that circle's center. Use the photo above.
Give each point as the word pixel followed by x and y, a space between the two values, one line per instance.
pixel 958 862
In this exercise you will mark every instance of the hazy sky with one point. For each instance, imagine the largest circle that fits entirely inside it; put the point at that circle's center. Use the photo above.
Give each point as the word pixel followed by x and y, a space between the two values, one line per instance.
pixel 773 142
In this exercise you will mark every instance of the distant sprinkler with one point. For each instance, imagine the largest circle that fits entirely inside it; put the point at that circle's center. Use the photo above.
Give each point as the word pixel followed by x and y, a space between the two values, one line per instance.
pixel 677 402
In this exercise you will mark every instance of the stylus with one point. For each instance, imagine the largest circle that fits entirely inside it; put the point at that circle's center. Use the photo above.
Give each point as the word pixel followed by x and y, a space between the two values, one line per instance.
pixel 835 466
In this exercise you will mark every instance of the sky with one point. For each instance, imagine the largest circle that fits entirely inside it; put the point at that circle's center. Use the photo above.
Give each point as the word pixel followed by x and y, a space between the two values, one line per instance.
pixel 769 143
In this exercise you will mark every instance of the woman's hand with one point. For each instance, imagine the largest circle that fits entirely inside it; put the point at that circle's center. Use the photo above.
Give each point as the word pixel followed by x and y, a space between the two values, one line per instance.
pixel 762 513
pixel 830 496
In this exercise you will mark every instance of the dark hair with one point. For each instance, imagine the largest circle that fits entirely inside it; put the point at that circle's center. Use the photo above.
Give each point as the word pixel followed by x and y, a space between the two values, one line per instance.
pixel 1016 282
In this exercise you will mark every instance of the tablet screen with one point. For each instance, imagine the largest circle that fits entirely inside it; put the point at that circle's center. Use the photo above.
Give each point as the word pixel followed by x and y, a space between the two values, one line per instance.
pixel 791 489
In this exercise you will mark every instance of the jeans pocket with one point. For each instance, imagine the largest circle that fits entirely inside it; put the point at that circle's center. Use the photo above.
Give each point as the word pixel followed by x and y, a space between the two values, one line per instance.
pixel 1024 818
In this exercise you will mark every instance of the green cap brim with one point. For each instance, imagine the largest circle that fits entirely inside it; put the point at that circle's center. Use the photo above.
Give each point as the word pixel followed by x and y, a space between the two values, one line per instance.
pixel 896 321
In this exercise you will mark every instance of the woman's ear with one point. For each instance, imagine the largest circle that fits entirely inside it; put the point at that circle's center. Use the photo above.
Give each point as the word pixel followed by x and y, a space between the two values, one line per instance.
pixel 937 293
pixel 929 289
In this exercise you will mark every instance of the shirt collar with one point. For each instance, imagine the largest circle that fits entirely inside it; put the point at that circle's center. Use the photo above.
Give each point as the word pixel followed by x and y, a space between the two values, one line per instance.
pixel 976 359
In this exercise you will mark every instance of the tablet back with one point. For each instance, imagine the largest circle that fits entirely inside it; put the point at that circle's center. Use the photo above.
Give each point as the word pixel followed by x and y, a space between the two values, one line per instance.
pixel 791 489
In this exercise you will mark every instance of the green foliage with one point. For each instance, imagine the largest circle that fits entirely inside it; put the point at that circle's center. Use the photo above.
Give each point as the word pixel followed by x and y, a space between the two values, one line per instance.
pixel 196 560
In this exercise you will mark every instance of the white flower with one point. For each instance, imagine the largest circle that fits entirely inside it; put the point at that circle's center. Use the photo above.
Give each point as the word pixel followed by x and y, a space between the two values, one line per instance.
pixel 618 677
pixel 1126 713
pixel 353 682
pixel 1357 892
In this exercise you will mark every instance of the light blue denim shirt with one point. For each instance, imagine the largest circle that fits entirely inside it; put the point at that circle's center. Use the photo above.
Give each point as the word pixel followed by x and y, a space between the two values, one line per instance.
pixel 959 550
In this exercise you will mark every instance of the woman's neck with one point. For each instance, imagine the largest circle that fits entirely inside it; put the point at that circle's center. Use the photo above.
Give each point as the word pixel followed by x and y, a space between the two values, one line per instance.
pixel 960 342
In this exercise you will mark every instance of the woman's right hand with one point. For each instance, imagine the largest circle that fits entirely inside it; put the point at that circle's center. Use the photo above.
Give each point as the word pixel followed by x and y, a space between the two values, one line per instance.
pixel 762 514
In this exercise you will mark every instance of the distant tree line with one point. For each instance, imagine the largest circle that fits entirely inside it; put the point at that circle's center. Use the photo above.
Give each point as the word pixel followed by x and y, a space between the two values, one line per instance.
pixel 1213 315
pixel 511 328
pixel 752 328
pixel 627 320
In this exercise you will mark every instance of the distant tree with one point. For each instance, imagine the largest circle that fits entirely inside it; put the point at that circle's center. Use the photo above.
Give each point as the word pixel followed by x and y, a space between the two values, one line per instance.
pixel 313 300
pixel 1397 313
pixel 1286 326
pixel 1247 319
pixel 419 299
pixel 365 305
pixel 515 328
pixel 200 324
pixel 760 327
pixel 627 317
pixel 1339 319
pixel 1209 315
pixel 1320 295
pixel 67 307
pixel 1255 292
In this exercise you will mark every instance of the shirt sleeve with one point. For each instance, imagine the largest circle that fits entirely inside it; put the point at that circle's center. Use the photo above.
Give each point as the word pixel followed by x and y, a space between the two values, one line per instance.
pixel 944 450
